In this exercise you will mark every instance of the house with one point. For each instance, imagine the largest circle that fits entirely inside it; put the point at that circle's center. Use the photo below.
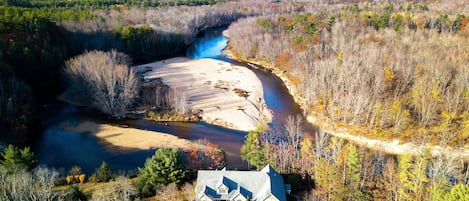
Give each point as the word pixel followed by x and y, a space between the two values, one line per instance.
pixel 264 185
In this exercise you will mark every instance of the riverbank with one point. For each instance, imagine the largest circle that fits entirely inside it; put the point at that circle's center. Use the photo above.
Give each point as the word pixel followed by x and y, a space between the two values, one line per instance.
pixel 225 94
pixel 393 146
pixel 117 139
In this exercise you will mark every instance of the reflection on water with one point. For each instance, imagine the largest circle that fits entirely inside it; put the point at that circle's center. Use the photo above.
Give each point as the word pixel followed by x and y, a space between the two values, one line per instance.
pixel 209 45
pixel 58 148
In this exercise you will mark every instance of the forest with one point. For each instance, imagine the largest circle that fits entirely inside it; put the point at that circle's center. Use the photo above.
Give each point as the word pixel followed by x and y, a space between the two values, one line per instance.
pixel 387 70
pixel 384 71
pixel 390 71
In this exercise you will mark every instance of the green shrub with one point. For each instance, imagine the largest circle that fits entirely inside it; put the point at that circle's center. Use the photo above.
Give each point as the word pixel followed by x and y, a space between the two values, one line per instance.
pixel 265 23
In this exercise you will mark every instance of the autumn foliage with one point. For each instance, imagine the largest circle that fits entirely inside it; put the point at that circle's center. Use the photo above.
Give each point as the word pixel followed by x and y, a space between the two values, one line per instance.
pixel 210 156
pixel 387 68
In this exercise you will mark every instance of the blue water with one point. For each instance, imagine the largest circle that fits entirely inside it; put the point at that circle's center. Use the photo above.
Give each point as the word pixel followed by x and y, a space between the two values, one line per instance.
pixel 276 96
pixel 208 47
pixel 62 149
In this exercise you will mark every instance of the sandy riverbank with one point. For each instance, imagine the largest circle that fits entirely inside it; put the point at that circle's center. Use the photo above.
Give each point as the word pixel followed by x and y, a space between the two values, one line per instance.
pixel 211 87
pixel 118 139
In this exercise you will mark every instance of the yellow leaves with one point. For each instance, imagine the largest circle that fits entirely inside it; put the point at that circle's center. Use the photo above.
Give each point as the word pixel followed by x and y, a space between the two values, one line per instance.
pixel 340 57
pixel 388 74
pixel 464 131
pixel 418 68
pixel 378 107
pixel 465 93
pixel 396 105
pixel 435 94
pixel 306 148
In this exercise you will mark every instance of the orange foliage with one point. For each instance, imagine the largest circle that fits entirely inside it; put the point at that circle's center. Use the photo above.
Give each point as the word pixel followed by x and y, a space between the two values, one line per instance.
pixel 193 159
pixel 315 40
pixel 215 155
pixel 121 8
pixel 211 157
pixel 69 179
pixel 463 24
pixel 283 61
pixel 81 178
pixel 311 18
pixel 300 46
pixel 295 80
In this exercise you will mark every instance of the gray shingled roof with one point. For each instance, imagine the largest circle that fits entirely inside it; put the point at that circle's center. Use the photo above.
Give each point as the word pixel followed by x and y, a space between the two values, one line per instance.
pixel 256 185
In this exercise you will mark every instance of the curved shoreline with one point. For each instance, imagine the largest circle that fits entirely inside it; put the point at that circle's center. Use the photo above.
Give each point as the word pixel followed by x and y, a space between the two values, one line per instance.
pixel 117 139
pixel 374 144
pixel 225 94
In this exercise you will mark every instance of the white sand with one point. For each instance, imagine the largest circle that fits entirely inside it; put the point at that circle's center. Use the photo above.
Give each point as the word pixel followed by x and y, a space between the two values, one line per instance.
pixel 198 78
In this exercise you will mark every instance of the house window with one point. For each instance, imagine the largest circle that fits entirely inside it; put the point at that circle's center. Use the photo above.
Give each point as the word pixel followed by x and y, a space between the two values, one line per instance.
pixel 222 190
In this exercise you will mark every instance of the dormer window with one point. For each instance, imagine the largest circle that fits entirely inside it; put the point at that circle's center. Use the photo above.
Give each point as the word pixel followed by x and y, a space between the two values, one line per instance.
pixel 222 190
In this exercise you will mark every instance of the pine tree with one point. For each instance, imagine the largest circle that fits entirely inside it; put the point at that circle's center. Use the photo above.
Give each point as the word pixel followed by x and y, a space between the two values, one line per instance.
pixel 252 151
pixel 14 159
pixel 164 167
pixel 405 177
pixel 412 176
pixel 352 174
pixel 104 172
pixel 458 192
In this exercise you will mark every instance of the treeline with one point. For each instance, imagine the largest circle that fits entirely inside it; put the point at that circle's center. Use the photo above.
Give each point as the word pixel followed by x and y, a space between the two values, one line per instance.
pixel 102 4
pixel 31 53
pixel 386 71
pixel 167 174
pixel 329 168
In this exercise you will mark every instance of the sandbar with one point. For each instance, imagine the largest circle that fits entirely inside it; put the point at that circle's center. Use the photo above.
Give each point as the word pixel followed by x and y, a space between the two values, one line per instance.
pixel 119 139
pixel 211 87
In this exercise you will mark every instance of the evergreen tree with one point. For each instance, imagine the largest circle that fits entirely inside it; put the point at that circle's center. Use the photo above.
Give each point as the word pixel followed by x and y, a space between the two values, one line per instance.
pixel 252 151
pixel 352 174
pixel 405 177
pixel 412 176
pixel 104 172
pixel 166 166
pixel 458 192
pixel 14 159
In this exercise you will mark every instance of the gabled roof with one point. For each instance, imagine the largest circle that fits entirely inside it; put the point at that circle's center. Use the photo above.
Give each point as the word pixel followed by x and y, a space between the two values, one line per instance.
pixel 256 185
pixel 275 180
pixel 226 182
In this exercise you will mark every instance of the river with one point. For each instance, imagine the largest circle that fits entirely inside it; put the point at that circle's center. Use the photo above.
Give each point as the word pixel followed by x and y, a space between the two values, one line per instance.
pixel 62 149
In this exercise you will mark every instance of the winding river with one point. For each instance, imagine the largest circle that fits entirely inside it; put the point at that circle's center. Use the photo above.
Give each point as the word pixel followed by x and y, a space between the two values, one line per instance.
pixel 62 149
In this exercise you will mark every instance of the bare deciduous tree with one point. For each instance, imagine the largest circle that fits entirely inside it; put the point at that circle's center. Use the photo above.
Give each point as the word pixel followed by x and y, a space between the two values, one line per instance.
pixel 29 186
pixel 168 192
pixel 179 101
pixel 119 190
pixel 102 80
pixel 294 128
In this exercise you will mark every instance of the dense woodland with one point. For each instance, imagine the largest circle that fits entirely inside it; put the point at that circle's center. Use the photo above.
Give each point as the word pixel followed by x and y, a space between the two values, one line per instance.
pixel 323 167
pixel 388 70
pixel 384 70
